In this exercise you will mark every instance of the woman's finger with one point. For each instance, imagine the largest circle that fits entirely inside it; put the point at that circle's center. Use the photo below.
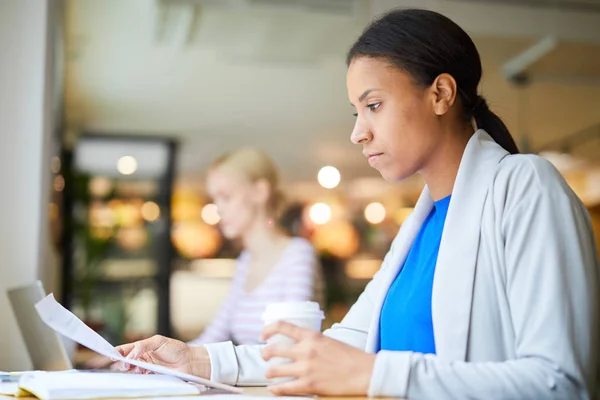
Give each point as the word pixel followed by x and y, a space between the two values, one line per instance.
pixel 298 386
pixel 124 367
pixel 98 362
pixel 287 370
pixel 147 358
pixel 279 350
pixel 125 349
pixel 142 346
pixel 286 329
pixel 134 354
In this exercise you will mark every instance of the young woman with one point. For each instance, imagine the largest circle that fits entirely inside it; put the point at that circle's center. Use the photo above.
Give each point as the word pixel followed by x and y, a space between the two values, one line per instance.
pixel 244 185
pixel 273 267
pixel 490 288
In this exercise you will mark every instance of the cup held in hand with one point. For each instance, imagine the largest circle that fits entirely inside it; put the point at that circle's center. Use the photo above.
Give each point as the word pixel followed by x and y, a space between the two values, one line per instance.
pixel 305 314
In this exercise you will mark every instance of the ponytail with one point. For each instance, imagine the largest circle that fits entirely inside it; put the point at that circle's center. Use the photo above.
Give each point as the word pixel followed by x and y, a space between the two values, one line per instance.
pixel 493 125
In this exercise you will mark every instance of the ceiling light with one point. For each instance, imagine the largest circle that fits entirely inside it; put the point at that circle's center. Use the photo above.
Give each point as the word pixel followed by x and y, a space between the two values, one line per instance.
pixel 210 214
pixel 375 213
pixel 329 177
pixel 127 165
pixel 320 213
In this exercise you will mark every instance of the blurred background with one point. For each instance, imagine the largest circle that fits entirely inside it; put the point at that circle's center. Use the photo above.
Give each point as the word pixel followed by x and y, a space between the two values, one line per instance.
pixel 138 97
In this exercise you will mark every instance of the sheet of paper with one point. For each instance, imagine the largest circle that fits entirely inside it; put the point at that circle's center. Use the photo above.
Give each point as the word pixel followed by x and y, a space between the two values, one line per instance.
pixel 66 323
pixel 9 388
pixel 236 397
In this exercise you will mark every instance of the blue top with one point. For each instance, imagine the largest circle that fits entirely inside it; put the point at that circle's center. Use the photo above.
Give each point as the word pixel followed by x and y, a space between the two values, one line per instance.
pixel 405 323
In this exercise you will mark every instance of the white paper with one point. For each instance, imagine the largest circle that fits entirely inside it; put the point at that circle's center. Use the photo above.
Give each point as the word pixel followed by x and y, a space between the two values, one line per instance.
pixel 9 388
pixel 66 323
pixel 237 397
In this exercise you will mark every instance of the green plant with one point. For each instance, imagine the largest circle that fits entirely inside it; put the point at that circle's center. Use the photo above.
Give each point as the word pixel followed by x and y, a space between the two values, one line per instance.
pixel 92 246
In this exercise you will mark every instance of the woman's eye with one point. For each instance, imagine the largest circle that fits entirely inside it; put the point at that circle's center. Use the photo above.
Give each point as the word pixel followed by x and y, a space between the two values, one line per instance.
pixel 355 115
pixel 373 106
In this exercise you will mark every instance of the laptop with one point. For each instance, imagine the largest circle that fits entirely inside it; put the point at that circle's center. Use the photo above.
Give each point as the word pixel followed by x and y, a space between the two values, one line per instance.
pixel 46 348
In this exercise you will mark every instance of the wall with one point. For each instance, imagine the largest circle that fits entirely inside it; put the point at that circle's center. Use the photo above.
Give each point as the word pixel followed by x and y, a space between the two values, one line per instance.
pixel 25 120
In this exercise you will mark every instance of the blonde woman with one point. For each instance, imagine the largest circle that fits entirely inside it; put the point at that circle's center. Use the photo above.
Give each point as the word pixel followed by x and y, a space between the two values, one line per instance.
pixel 273 267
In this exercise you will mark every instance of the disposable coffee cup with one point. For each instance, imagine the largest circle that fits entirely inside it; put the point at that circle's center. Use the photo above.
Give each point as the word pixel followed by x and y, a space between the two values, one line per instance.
pixel 305 314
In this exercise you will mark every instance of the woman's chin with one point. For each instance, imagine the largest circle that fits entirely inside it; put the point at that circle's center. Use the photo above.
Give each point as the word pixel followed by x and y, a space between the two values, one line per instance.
pixel 394 176
pixel 229 233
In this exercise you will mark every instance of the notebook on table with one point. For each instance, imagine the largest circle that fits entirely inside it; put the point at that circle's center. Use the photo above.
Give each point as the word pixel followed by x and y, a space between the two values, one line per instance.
pixel 75 385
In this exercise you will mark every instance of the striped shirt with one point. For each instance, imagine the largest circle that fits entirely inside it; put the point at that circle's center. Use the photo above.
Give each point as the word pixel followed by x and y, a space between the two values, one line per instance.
pixel 295 277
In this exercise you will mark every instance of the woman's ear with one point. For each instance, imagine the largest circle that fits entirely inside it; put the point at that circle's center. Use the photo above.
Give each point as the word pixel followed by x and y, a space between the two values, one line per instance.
pixel 261 191
pixel 444 90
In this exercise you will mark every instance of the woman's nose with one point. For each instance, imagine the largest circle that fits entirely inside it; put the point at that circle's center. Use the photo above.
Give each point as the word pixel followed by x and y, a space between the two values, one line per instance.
pixel 360 133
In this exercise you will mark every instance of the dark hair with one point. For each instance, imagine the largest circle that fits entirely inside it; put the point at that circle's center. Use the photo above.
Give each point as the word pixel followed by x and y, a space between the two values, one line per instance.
pixel 426 44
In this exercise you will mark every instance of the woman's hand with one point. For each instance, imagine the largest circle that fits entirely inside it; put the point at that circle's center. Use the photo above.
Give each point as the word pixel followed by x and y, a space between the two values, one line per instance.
pixel 321 365
pixel 100 362
pixel 167 352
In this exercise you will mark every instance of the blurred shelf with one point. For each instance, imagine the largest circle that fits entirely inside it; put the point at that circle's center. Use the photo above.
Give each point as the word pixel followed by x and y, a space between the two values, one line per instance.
pixel 145 281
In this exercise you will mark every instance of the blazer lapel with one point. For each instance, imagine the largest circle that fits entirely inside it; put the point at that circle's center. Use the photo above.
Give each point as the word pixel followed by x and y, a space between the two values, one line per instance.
pixel 457 257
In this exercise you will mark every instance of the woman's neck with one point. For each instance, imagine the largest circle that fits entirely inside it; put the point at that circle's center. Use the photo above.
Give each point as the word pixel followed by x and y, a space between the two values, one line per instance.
pixel 263 238
pixel 442 168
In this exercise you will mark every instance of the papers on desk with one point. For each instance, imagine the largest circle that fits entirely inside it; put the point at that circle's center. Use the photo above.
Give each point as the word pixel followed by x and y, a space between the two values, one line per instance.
pixel 9 388
pixel 98 385
pixel 66 323
pixel 238 397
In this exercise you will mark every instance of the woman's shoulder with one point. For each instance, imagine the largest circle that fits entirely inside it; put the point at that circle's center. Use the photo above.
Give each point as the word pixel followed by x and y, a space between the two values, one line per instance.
pixel 522 176
pixel 299 257
pixel 300 245
pixel 528 169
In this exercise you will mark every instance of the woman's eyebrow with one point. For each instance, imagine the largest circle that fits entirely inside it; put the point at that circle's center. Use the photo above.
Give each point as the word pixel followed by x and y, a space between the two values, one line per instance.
pixel 364 95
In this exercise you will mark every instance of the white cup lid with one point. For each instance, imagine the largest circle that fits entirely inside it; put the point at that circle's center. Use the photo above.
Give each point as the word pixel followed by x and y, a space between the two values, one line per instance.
pixel 291 309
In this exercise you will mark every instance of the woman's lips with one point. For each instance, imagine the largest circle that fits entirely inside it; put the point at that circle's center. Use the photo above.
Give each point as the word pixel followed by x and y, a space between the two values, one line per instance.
pixel 372 157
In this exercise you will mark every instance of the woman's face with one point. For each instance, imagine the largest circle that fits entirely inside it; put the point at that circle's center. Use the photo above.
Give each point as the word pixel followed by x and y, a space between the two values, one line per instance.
pixel 395 119
pixel 239 201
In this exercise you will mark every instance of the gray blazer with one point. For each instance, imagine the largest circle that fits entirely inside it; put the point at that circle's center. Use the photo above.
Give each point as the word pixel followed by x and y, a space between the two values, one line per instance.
pixel 515 292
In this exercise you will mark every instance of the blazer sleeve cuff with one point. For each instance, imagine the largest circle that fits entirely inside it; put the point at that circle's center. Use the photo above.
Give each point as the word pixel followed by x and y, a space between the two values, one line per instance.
pixel 390 374
pixel 223 362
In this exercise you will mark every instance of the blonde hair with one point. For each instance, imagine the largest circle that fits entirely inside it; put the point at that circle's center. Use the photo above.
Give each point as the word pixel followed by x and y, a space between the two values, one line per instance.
pixel 255 165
